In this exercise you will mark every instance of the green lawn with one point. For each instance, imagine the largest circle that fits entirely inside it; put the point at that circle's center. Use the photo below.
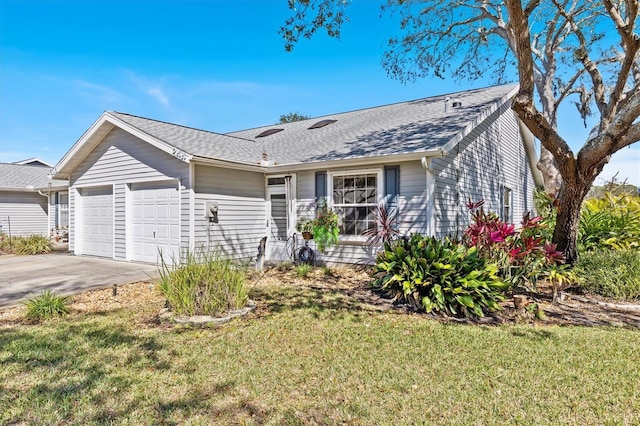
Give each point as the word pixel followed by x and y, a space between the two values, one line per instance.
pixel 312 356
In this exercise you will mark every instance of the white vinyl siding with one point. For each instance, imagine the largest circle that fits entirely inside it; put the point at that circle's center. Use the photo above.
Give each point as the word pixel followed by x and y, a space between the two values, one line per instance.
pixel 23 214
pixel 241 210
pixel 490 157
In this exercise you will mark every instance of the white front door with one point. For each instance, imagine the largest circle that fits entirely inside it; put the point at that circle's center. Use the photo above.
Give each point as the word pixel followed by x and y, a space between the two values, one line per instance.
pixel 155 222
pixel 96 230
pixel 281 199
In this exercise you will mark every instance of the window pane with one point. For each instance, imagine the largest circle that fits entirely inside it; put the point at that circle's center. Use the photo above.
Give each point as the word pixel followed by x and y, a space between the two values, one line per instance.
pixel 371 196
pixel 349 227
pixel 360 182
pixel 349 213
pixel 338 196
pixel 349 196
pixel 338 182
pixel 348 182
pixel 361 196
pixel 275 181
pixel 361 213
pixel 371 181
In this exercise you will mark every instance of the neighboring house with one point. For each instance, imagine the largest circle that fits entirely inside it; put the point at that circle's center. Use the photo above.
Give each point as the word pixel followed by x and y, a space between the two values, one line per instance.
pixel 139 186
pixel 31 203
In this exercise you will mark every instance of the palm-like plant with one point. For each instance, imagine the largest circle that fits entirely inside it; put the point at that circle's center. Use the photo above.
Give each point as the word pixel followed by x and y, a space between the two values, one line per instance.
pixel 384 230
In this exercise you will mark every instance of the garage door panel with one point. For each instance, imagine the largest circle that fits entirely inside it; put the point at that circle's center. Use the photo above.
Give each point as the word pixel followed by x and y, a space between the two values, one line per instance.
pixel 155 222
pixel 97 222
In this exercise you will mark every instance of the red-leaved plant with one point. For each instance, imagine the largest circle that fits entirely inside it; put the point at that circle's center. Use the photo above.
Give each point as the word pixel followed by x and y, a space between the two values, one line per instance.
pixel 522 255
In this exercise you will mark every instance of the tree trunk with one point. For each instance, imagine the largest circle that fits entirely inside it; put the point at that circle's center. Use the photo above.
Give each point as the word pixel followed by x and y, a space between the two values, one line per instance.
pixel 550 174
pixel 565 234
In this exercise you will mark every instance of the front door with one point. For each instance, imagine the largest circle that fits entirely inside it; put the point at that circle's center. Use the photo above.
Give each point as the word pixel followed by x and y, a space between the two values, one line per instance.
pixel 280 210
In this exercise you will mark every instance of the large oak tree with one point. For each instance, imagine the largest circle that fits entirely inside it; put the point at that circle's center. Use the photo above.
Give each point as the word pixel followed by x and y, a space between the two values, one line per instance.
pixel 583 51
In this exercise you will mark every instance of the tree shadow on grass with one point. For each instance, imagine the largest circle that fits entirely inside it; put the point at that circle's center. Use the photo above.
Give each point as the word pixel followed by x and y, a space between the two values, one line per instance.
pixel 73 365
pixel 321 300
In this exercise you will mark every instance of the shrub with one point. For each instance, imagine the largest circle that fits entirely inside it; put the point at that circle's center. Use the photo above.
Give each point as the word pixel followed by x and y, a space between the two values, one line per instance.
pixel 206 284
pixel 440 276
pixel 610 273
pixel 33 244
pixel 303 270
pixel 610 222
pixel 522 256
pixel 47 306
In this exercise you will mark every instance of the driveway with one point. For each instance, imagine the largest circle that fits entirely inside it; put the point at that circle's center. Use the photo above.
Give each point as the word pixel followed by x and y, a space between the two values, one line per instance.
pixel 24 276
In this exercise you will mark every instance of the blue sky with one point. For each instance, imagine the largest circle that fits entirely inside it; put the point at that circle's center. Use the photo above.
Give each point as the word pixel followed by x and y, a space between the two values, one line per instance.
pixel 217 65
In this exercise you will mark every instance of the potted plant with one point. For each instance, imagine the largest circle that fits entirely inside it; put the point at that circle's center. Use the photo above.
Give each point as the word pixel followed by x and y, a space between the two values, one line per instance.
pixel 305 227
pixel 325 228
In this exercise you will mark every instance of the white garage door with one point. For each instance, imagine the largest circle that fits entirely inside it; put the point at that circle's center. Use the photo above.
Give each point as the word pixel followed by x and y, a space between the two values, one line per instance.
pixel 155 222
pixel 96 231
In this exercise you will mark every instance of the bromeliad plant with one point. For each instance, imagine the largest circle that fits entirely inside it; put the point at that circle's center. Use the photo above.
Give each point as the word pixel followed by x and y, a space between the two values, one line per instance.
pixel 440 276
pixel 522 256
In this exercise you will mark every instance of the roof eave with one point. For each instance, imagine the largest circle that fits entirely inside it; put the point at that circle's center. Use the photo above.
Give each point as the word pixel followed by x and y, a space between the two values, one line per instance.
pixel 362 161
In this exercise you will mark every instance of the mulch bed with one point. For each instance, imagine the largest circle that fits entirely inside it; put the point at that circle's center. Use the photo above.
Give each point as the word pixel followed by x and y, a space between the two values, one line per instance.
pixel 353 283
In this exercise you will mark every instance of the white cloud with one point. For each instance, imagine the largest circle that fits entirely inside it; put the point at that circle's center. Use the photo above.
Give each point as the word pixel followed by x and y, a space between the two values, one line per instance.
pixel 155 89
pixel 159 96
pixel 97 92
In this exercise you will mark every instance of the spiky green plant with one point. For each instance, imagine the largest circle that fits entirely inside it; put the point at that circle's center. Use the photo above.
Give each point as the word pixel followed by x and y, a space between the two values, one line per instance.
pixel 46 306
pixel 206 283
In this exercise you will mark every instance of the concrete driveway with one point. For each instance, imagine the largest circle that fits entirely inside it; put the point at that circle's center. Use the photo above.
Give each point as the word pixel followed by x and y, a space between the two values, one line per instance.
pixel 24 276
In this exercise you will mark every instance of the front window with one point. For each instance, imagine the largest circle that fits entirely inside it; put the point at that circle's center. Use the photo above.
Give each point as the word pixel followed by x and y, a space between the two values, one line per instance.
pixel 506 205
pixel 355 198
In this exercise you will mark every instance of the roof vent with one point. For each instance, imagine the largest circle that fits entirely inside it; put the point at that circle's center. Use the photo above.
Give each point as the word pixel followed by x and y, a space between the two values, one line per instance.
pixel 456 104
pixel 268 132
pixel 322 124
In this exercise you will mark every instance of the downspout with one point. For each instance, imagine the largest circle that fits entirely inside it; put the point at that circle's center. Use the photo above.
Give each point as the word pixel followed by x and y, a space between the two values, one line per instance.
pixel 532 156
pixel 430 191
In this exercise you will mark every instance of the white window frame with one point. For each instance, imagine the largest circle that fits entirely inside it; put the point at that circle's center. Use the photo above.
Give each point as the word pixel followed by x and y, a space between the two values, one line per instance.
pixel 379 172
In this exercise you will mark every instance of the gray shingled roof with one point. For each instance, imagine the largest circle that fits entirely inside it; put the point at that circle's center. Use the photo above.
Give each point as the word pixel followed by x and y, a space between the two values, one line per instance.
pixel 409 127
pixel 28 178
pixel 196 142
pixel 402 128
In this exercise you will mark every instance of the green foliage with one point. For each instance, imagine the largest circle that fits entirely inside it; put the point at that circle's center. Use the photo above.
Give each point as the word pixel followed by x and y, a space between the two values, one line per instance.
pixel 33 244
pixel 440 276
pixel 206 284
pixel 610 222
pixel 303 270
pixel 291 117
pixel 304 224
pixel 610 273
pixel 47 306
pixel 325 228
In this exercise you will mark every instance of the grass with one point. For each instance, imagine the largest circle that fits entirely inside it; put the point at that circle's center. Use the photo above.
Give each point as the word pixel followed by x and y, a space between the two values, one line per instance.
pixel 315 356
